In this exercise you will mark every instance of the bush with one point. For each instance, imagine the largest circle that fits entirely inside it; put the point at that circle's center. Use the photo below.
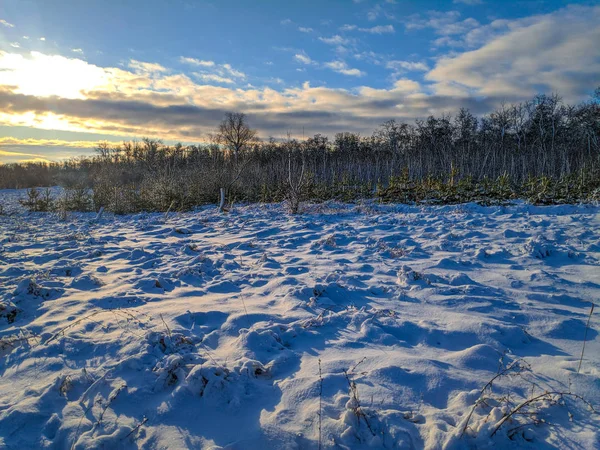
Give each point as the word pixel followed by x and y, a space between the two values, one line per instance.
pixel 37 200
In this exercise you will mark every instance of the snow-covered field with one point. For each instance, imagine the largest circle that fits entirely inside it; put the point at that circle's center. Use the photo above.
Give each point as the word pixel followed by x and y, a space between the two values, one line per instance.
pixel 349 326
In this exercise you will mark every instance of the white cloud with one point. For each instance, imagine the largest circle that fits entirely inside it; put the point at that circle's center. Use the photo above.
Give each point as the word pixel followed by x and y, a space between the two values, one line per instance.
pixel 196 62
pixel 553 52
pixel 42 39
pixel 518 58
pixel 146 67
pixel 233 72
pixel 443 23
pixel 342 67
pixel 6 24
pixel 469 2
pixel 407 65
pixel 286 22
pixel 379 29
pixel 212 77
pixel 220 73
pixel 77 50
pixel 406 85
pixel 305 29
pixel 41 75
pixel 15 45
pixel 335 40
pixel 303 58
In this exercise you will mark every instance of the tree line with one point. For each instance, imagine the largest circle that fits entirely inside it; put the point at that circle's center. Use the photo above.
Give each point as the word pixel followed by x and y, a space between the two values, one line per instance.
pixel 542 149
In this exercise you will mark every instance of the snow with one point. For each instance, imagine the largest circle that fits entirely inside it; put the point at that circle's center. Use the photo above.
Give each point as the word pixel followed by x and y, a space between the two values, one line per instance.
pixel 371 326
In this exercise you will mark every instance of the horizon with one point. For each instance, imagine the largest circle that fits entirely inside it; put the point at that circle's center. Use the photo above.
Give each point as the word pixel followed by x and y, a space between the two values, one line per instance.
pixel 72 75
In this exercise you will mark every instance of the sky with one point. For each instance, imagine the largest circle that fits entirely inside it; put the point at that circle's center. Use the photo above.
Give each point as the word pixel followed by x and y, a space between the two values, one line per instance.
pixel 73 73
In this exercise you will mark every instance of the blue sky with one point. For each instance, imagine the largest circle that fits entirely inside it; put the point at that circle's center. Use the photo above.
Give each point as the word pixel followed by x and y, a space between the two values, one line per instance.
pixel 74 72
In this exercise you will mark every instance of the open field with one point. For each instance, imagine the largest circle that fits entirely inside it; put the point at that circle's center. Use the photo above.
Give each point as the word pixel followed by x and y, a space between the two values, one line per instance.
pixel 349 326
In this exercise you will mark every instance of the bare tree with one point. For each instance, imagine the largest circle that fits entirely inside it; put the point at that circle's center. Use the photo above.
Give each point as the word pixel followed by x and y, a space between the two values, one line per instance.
pixel 235 134
pixel 296 183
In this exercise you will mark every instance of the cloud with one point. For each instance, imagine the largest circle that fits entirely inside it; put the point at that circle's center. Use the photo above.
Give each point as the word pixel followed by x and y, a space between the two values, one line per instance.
pixel 13 150
pixel 335 40
pixel 43 75
pixel 342 67
pixel 305 29
pixel 174 107
pixel 379 29
pixel 407 66
pixel 196 62
pixel 77 50
pixel 9 153
pixel 233 72
pixel 443 23
pixel 146 67
pixel 219 73
pixel 518 58
pixel 286 22
pixel 303 58
pixel 31 142
pixel 6 24
pixel 553 52
pixel 469 2
pixel 208 77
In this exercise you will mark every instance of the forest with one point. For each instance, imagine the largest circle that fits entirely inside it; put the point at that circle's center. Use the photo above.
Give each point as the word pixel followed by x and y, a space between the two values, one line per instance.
pixel 543 150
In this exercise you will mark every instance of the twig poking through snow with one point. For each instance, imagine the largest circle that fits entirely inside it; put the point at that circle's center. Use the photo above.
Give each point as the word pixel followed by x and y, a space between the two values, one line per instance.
pixel 356 406
pixel 585 336
pixel 544 396
pixel 320 403
pixel 111 398
pixel 136 428
pixel 517 367
pixel 166 326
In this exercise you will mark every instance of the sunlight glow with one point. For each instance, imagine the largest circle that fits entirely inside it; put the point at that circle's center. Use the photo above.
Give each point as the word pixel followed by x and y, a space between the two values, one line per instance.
pixel 49 75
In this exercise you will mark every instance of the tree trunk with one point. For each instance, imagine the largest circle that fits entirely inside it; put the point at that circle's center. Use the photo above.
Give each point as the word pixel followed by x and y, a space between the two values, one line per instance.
pixel 222 201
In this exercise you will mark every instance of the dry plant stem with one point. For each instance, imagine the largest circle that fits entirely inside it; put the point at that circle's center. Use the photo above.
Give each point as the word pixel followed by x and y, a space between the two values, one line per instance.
pixel 529 401
pixel 245 310
pixel 500 373
pixel 110 400
pixel 166 326
pixel 89 316
pixel 62 330
pixel 585 336
pixel 79 425
pixel 320 403
pixel 357 406
pixel 136 428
